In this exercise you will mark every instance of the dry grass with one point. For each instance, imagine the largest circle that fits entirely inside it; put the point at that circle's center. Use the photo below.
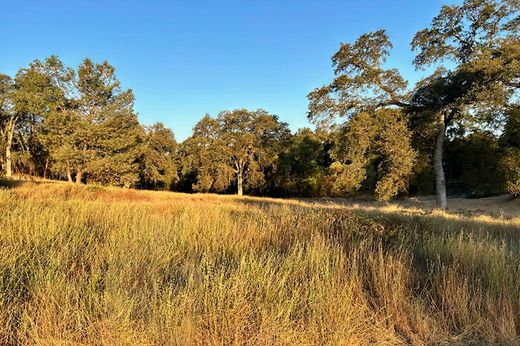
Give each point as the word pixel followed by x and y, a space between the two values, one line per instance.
pixel 102 266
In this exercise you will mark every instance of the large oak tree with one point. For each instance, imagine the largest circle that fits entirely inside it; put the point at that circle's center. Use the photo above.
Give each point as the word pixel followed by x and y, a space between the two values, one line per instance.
pixel 476 47
pixel 235 147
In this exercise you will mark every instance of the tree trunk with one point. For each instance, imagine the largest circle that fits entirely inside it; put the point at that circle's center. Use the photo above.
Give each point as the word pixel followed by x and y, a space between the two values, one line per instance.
pixel 438 168
pixel 79 175
pixel 46 168
pixel 240 181
pixel 8 147
pixel 69 176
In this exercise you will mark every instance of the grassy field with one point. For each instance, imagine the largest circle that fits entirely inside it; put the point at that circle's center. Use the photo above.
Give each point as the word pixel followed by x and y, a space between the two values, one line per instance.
pixel 102 266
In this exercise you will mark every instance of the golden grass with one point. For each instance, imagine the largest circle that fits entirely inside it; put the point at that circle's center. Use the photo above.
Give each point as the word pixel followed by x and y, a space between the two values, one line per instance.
pixel 105 266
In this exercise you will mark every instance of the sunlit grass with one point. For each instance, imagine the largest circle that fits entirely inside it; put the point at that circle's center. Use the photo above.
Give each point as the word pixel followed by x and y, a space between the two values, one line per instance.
pixel 94 265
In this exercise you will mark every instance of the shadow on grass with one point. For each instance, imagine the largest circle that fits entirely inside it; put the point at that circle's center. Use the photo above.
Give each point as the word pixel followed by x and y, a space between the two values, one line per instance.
pixel 7 183
pixel 419 221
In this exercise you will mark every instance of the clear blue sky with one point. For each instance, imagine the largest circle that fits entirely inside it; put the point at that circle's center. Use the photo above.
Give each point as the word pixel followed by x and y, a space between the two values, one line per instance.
pixel 184 59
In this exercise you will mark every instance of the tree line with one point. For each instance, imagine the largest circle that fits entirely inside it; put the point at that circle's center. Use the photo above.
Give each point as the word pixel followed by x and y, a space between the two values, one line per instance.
pixel 455 131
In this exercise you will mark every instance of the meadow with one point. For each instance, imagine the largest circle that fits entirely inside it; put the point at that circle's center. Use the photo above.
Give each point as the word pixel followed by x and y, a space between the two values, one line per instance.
pixel 90 265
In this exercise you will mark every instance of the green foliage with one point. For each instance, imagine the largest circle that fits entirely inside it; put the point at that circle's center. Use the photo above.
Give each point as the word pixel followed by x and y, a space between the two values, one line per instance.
pixel 511 164
pixel 473 165
pixel 63 123
pixel 37 94
pixel 6 89
pixel 475 46
pixel 352 153
pixel 382 139
pixel 203 159
pixel 479 41
pixel 462 32
pixel 393 144
pixel 511 134
pixel 116 150
pixel 236 147
pixel 510 142
pixel 361 82
pixel 96 132
pixel 299 170
pixel 158 158
pixel 366 94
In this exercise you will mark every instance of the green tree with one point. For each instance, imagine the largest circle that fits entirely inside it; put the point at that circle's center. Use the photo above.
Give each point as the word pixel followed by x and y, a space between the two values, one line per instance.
pixel 116 151
pixel 473 164
pixel 60 129
pixel 510 144
pixel 158 158
pixel 361 83
pixel 47 139
pixel 299 169
pixel 34 97
pixel 204 163
pixel 378 144
pixel 366 94
pixel 479 39
pixel 97 133
pixel 235 147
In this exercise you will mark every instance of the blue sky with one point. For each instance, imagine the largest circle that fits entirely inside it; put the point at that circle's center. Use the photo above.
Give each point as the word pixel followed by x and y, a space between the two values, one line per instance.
pixel 184 59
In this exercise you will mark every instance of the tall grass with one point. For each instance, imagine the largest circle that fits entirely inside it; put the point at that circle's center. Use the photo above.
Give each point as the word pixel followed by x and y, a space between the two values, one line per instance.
pixel 89 265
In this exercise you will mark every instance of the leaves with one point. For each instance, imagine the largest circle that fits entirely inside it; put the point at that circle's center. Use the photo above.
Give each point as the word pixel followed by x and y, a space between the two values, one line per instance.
pixel 238 144
pixel 460 32
pixel 158 160
pixel 381 138
pixel 361 83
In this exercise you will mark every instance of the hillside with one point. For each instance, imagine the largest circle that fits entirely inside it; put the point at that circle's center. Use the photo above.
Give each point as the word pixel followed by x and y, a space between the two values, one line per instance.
pixel 109 266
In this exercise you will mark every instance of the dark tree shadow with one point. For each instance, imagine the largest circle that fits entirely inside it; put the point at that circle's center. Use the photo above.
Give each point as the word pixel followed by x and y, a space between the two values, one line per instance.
pixel 425 221
pixel 7 183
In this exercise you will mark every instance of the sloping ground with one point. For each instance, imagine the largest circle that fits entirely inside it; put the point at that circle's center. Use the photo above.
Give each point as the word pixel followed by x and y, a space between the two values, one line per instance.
pixel 107 266
pixel 498 207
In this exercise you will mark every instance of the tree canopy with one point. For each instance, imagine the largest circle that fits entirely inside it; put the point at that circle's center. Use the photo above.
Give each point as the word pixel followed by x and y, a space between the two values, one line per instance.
pixel 476 48
pixel 236 148
pixel 456 131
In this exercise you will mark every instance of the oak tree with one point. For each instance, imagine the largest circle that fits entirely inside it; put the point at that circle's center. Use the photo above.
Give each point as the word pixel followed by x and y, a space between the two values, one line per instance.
pixel 158 161
pixel 476 46
pixel 235 147
pixel 365 93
